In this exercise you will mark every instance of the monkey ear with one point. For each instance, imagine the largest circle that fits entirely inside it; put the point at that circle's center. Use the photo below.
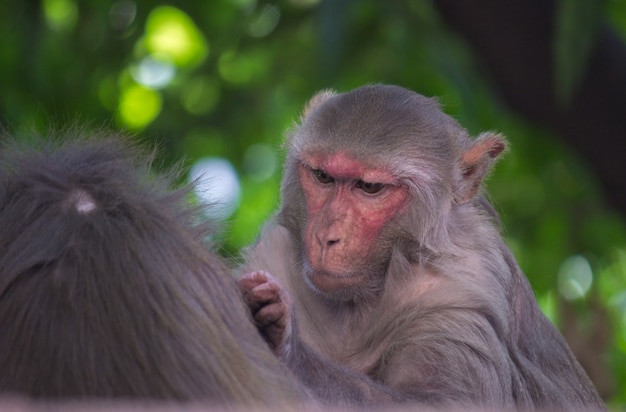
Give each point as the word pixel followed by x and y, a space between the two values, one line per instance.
pixel 316 101
pixel 475 163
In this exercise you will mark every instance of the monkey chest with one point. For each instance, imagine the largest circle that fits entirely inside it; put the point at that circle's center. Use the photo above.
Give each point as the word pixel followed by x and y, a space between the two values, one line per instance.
pixel 360 352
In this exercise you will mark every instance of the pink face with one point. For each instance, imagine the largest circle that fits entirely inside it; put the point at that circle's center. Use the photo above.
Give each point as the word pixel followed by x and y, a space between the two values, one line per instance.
pixel 348 204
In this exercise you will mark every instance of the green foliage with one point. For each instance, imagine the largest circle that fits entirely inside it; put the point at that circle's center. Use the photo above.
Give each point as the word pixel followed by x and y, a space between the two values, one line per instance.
pixel 226 78
pixel 577 24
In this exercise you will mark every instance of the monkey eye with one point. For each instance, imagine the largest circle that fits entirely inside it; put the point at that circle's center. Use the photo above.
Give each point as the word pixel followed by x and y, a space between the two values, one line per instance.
pixel 370 188
pixel 322 176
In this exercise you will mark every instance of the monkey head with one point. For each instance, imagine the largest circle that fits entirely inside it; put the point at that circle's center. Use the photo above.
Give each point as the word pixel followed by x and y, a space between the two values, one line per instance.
pixel 368 171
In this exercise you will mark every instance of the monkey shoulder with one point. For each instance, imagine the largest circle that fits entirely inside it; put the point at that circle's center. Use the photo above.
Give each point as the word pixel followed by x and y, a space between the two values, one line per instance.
pixel 436 351
pixel 438 322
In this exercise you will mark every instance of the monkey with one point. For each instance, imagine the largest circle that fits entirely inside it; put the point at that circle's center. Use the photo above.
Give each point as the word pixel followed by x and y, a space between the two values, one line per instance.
pixel 386 258
pixel 109 287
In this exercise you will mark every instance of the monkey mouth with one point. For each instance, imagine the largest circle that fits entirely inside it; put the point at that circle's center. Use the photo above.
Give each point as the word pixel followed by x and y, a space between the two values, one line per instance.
pixel 326 281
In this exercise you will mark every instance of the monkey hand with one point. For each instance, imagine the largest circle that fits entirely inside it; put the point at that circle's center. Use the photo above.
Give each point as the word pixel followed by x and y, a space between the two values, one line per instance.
pixel 271 308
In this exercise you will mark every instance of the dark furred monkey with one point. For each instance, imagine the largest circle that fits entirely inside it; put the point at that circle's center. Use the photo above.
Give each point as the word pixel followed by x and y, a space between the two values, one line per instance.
pixel 395 264
pixel 107 288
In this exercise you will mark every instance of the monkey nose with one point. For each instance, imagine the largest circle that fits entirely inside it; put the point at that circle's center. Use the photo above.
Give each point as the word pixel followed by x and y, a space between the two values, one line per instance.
pixel 331 242
pixel 326 240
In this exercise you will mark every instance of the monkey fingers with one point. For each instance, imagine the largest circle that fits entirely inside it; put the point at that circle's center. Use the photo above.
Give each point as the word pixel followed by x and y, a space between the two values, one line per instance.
pixel 270 306
pixel 259 289
pixel 273 314
pixel 248 284
pixel 273 323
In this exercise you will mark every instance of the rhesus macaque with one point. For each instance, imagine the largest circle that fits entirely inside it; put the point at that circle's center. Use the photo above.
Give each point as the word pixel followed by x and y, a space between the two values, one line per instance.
pixel 386 259
pixel 107 288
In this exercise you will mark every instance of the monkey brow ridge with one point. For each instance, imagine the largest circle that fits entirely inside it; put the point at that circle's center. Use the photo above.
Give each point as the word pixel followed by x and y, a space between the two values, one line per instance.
pixel 82 201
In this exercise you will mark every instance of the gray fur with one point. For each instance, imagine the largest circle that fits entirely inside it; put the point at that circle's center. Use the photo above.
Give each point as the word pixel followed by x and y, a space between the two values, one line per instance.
pixel 456 322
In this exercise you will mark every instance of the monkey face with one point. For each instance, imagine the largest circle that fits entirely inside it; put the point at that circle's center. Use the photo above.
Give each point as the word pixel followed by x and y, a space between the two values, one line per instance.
pixel 347 206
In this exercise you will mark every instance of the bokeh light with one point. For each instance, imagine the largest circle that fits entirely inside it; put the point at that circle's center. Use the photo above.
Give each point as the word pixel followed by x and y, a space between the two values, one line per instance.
pixel 575 277
pixel 171 34
pixel 216 184
pixel 266 21
pixel 138 106
pixel 153 73
pixel 122 14
pixel 60 14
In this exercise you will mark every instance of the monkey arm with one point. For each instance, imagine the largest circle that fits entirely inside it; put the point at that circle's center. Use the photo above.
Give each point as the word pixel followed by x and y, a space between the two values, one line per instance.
pixel 272 310
pixel 449 356
pixel 334 383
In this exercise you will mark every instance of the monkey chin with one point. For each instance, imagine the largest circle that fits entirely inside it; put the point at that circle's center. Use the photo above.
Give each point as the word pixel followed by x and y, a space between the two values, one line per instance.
pixel 340 287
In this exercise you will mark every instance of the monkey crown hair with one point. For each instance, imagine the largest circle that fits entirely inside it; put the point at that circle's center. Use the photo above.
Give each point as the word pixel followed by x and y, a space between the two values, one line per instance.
pixel 75 175
pixel 107 287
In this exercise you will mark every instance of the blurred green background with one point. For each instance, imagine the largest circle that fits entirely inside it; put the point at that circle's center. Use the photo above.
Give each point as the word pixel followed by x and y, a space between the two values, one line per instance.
pixel 218 82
